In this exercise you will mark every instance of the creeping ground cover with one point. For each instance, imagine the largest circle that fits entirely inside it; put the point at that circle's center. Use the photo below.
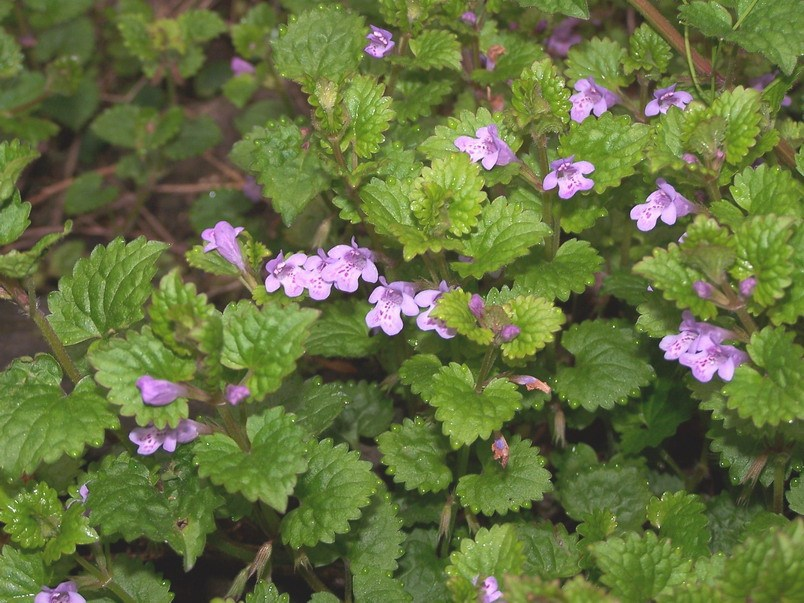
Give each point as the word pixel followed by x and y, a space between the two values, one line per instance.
pixel 401 301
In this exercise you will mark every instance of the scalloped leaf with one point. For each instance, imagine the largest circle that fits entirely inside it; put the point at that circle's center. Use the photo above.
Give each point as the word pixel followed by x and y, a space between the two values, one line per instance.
pixel 505 232
pixel 268 470
pixel 369 114
pixel 648 52
pixel 541 98
pixel 641 567
pixel 15 156
pixel 740 108
pixel 106 291
pixel 376 541
pixel 550 551
pixel 120 362
pixel 341 331
pixel 776 394
pixel 616 145
pixel 315 404
pixel 467 414
pixel 372 585
pixel 336 486
pixel 453 309
pixel 572 270
pixel 13 217
pixel 571 8
pixel 436 49
pixel 609 366
pixel 418 99
pixel 415 454
pixel 537 319
pixel 38 423
pixel 768 190
pixel 22 574
pixel 266 341
pixel 680 517
pixel 600 58
pixel 763 252
pixel 500 489
pixel 417 372
pixel 21 264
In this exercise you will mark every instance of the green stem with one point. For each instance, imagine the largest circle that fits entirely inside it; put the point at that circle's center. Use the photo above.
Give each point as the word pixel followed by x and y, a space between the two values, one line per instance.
pixel 463 463
pixel 105 579
pixel 233 428
pixel 551 211
pixel 392 79
pixel 485 366
pixel 312 580
pixel 778 483
pixel 712 189
pixel 747 12
pixel 691 67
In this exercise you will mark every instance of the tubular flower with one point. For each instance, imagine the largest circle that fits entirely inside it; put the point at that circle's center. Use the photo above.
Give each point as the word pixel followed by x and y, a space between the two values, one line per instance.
pixel 159 392
pixel 223 238
pixel 488 147
pixel 347 264
pixel 563 37
pixel 392 300
pixel 722 359
pixel 150 439
pixel 235 394
pixel 569 176
pixel 427 299
pixel 287 273
pixel 240 66
pixel 66 592
pixel 664 98
pixel 693 336
pixel 664 202
pixel 591 98
pixel 380 42
pixel 317 286
pixel 747 286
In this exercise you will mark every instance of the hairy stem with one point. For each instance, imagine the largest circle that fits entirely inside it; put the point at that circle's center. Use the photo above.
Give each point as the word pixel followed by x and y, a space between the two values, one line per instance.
pixel 105 579
pixel 778 483
pixel 485 366
pixel 463 463
pixel 551 211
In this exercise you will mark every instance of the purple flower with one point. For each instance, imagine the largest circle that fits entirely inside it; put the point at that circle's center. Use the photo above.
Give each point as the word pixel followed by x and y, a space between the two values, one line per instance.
pixel 590 98
pixel 287 273
pixel 477 306
pixel 392 300
pixel 689 158
pixel 317 286
pixel 380 42
pixel 693 337
pixel 66 592
pixel 568 175
pixel 350 263
pixel 159 392
pixel 762 82
pixel 427 299
pixel 489 589
pixel 235 394
pixel 664 202
pixel 509 333
pixel 702 289
pixel 83 492
pixel 223 238
pixel 488 147
pixel 251 189
pixel 722 359
pixel 562 38
pixel 664 98
pixel 469 18
pixel 530 383
pixel 150 439
pixel 747 286
pixel 240 66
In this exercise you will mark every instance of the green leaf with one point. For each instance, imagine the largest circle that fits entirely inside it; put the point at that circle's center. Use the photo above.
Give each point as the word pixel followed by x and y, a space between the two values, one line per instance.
pixel 609 366
pixel 767 566
pixel 143 129
pixel 369 115
pixel 39 423
pixel 505 232
pixel 336 486
pixel 140 580
pixel 571 8
pixel 550 552
pixel 622 491
pixel 13 219
pixel 795 496
pixel 21 574
pixel 436 49
pixel 499 489
pixel 323 43
pixel 739 452
pixel 453 309
pixel 87 194
pixel 387 206
pixel 120 362
pixel 648 52
pixel 493 552
pixel 651 420
pixel 14 157
pixel 541 98
pixel 106 291
pixel 572 270
pixel 763 252
pixel 201 25
pixel 315 404
pixel 600 58
pixel 266 592
pixel 369 411
pixel 668 271
pixel 680 517
pixel 36 518
pixel 419 98
pixel 372 585
pixel 767 190
pixel 289 174
pixel 213 263
pixel 740 108
pixel 265 341
pixel 776 394
pixel 20 264
pixel 253 33
pixel 341 332
pixel 268 470
pixel 194 137
pixel 537 320
pixel 467 414
pixel 421 569
pixel 10 56
pixel 376 541
pixel 616 144
pixel 710 18
pixel 640 568
pixel 415 454
pixel 417 373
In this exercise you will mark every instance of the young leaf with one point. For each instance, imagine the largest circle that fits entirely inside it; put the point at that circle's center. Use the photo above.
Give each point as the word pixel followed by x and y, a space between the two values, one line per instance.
pixel 680 517
pixel 14 157
pixel 763 252
pixel 600 58
pixel 36 519
pixel 648 52
pixel 641 568
pixel 571 8
pixel 436 49
pixel 453 309
pixel 537 320
pixel 10 56
pixel 768 190
pixel 776 394
pixel 369 114
pixel 740 108
pixel 120 362
pixel 106 291
pixel 550 552
pixel 572 270
pixel 21 574
pixel 268 470
pixel 608 366
pixel 415 454
pixel 501 489
pixel 267 342
pixel 39 423
pixel 541 98
pixel 504 233
pixel 266 592
pixel 336 486
pixel 614 144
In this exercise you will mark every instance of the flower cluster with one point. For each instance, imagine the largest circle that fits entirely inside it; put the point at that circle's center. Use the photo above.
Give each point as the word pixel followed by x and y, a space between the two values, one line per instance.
pixel 699 346
pixel 590 98
pixel 664 202
pixel 488 148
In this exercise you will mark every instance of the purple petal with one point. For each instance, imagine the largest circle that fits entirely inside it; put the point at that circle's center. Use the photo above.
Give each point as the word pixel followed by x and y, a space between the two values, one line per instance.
pixel 235 394
pixel 159 392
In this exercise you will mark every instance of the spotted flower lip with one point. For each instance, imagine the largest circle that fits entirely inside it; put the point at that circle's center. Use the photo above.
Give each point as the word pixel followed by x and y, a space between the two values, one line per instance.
pixel 347 264
pixel 664 98
pixel 720 359
pixel 317 286
pixel 222 237
pixel 160 392
pixel 693 336
pixel 66 592
pixel 590 98
pixel 392 300
pixel 488 147
pixel 150 439
pixel 664 202
pixel 569 176
pixel 380 42
pixel 286 273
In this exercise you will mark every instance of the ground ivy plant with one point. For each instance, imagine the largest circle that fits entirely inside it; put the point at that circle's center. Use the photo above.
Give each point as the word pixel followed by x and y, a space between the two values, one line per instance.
pixel 461 300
